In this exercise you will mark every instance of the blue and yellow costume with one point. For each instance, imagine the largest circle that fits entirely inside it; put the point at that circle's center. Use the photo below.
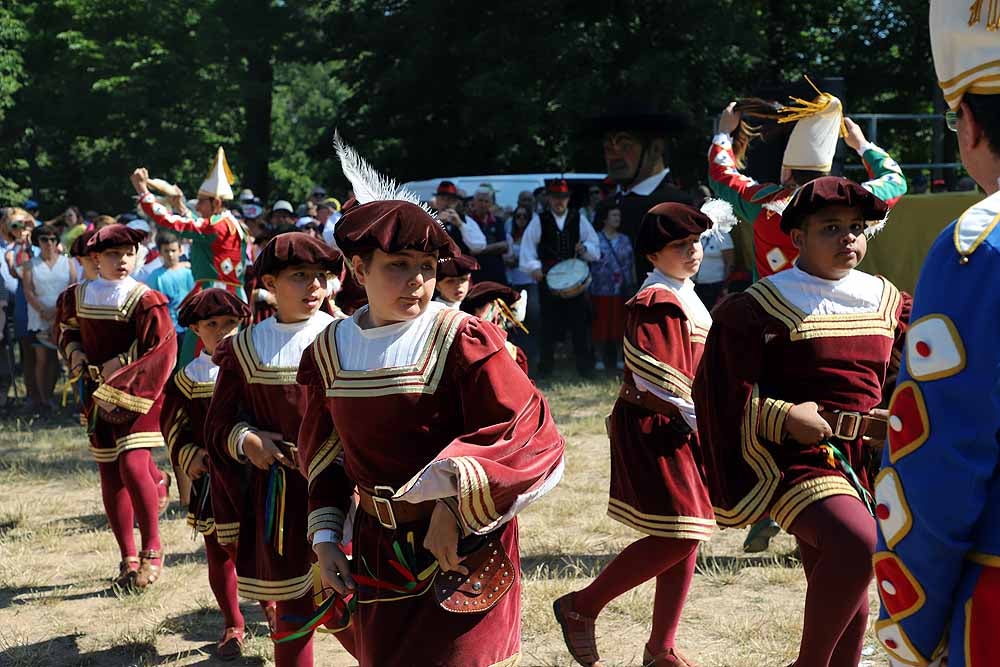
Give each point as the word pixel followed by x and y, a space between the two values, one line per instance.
pixel 937 497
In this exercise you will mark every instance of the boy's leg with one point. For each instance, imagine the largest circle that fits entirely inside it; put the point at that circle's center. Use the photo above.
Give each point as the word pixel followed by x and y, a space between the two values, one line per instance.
pixel 134 465
pixel 222 580
pixel 298 653
pixel 840 533
pixel 117 507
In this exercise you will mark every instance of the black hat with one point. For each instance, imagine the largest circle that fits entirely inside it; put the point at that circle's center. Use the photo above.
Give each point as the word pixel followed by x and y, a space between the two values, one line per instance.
pixel 637 115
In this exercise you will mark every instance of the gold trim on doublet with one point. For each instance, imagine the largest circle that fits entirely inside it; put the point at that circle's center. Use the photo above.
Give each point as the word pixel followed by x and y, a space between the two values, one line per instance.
pixel 254 372
pixel 191 389
pixel 122 313
pixel 678 527
pixel 421 377
pixel 285 589
pixel 881 322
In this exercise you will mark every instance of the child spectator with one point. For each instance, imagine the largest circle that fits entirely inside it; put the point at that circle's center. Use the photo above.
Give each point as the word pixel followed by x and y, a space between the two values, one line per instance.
pixel 173 279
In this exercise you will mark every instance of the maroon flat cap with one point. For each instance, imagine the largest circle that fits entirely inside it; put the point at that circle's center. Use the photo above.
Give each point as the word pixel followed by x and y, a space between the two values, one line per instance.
pixel 113 236
pixel 208 303
pixel 392 226
pixel 829 191
pixel 486 292
pixel 453 267
pixel 668 222
pixel 293 249
pixel 79 247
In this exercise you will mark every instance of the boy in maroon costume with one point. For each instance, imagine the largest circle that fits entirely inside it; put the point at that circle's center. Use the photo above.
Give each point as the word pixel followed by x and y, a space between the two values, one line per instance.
pixel 496 303
pixel 787 397
pixel 117 334
pixel 258 492
pixel 212 315
pixel 423 409
pixel 657 486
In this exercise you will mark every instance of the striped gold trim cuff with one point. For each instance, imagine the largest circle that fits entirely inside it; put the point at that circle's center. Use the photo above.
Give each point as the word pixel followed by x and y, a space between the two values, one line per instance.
pixel 227 533
pixel 325 518
pixel 771 419
pixel 127 401
pixel 232 442
pixel 143 440
pixel 186 455
pixel 327 454
pixel 657 373
pixel 476 510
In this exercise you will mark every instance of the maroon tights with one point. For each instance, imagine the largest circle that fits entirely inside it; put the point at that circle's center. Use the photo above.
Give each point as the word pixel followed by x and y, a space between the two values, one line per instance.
pixel 836 537
pixel 298 653
pixel 222 579
pixel 670 560
pixel 130 495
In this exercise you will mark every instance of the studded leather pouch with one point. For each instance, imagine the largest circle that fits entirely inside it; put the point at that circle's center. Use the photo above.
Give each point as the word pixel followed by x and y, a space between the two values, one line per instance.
pixel 490 577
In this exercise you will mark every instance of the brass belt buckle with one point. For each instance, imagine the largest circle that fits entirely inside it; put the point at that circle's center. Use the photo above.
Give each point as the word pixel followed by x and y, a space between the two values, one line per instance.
pixel 382 504
pixel 856 421
pixel 95 373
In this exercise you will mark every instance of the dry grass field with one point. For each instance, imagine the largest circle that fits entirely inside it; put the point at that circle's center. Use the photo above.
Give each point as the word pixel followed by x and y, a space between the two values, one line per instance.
pixel 56 555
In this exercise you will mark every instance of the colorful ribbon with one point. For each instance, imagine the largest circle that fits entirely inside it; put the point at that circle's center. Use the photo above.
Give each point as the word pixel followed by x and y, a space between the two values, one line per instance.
pixel 836 459
pixel 274 508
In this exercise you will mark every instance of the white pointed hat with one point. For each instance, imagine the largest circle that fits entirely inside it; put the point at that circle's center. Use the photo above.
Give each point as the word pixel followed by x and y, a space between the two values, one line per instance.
pixel 219 181
pixel 818 124
pixel 965 43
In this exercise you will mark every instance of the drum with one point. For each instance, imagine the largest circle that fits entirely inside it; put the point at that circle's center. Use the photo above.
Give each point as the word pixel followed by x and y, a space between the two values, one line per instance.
pixel 569 278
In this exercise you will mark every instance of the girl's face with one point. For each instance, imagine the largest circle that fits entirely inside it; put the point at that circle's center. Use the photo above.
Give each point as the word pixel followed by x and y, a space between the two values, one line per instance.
pixel 679 259
pixel 20 230
pixel 70 218
pixel 214 330
pixel 116 263
pixel 453 290
pixel 522 217
pixel 614 219
pixel 399 285
pixel 298 291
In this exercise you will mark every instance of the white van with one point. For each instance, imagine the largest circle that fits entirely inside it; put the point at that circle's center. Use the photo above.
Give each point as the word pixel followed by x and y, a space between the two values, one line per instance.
pixel 507 186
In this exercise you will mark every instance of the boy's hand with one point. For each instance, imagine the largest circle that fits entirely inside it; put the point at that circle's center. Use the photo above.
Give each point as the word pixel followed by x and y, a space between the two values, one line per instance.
pixel 855 137
pixel 198 465
pixel 730 119
pixel 804 425
pixel 442 539
pixel 259 447
pixel 334 568
pixel 140 181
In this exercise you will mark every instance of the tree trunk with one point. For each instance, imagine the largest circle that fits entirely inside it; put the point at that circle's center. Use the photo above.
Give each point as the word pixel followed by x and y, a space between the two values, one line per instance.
pixel 257 134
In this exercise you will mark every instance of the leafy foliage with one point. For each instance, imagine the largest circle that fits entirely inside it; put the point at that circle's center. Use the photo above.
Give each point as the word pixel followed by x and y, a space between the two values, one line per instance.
pixel 89 89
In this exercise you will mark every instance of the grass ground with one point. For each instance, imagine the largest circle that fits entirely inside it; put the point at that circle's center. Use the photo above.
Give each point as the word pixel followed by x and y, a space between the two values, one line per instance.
pixel 56 555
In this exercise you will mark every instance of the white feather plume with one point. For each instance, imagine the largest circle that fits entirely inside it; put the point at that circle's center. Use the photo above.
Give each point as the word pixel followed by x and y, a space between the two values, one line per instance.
pixel 521 306
pixel 875 228
pixel 721 214
pixel 368 184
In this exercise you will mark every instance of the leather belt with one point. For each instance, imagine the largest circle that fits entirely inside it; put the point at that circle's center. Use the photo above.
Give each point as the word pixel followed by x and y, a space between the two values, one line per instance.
pixel 850 426
pixel 648 401
pixel 389 512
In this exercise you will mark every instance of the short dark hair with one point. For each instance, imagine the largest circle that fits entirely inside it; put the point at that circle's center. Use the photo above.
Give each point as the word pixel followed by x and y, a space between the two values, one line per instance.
pixel 166 238
pixel 986 110
pixel 43 230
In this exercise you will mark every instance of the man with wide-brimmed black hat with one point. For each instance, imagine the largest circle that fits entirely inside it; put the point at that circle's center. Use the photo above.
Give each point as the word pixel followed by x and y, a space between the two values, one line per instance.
pixel 634 135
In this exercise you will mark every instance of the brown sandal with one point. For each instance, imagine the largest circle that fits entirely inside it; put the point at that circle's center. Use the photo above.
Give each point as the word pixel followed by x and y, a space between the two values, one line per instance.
pixel 126 573
pixel 578 632
pixel 164 500
pixel 669 658
pixel 148 572
pixel 230 646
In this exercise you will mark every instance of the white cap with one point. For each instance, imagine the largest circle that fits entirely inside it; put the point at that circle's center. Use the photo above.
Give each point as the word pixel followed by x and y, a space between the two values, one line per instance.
pixel 219 181
pixel 282 205
pixel 141 225
pixel 965 44
pixel 246 195
pixel 251 210
pixel 304 220
pixel 818 125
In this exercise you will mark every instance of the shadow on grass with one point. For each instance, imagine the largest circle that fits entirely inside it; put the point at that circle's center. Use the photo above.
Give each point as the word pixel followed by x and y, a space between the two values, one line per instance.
pixel 568 566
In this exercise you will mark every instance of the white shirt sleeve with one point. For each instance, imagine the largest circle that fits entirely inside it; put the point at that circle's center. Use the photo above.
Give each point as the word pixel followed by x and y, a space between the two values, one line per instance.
pixel 591 244
pixel 473 236
pixel 323 535
pixel 529 261
pixel 686 407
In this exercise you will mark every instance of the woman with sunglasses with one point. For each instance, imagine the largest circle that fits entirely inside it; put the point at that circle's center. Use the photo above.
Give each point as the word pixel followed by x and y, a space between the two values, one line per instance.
pixel 17 252
pixel 43 280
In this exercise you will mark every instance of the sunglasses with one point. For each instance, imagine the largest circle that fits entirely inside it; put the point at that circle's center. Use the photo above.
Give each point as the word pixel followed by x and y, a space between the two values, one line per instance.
pixel 47 239
pixel 951 120
pixel 16 225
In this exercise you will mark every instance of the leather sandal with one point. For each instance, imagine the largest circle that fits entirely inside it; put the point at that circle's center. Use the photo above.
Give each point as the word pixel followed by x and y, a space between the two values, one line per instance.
pixel 578 632
pixel 148 572
pixel 669 658
pixel 126 573
pixel 230 646
pixel 164 500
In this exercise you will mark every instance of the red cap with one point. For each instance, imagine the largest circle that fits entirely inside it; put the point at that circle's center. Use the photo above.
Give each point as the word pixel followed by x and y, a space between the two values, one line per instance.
pixel 454 267
pixel 829 191
pixel 557 186
pixel 486 292
pixel 114 236
pixel 447 188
